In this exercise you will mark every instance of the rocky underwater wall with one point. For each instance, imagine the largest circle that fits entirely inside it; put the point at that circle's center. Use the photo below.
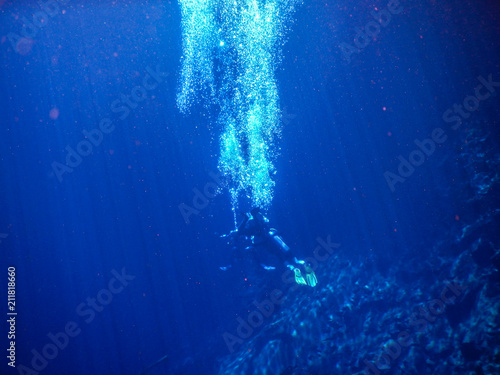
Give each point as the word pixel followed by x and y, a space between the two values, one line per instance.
pixel 428 314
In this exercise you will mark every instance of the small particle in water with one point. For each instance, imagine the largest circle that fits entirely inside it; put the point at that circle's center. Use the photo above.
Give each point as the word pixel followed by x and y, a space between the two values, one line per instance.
pixel 389 133
pixel 54 113
pixel 457 218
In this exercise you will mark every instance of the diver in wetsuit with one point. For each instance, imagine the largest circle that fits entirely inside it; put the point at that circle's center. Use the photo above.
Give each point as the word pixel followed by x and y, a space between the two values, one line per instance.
pixel 255 231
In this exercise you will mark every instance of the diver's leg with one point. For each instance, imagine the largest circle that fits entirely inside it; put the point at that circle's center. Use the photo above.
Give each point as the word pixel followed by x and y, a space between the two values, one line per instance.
pixel 281 249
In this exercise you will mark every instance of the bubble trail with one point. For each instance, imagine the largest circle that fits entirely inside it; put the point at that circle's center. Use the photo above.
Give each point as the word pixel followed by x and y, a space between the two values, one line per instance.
pixel 230 53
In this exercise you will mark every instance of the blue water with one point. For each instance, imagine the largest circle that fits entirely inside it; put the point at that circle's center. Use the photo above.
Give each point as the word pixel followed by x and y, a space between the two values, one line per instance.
pixel 70 224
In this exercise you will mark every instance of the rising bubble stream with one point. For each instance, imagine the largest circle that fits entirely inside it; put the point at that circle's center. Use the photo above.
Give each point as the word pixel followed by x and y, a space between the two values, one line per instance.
pixel 230 53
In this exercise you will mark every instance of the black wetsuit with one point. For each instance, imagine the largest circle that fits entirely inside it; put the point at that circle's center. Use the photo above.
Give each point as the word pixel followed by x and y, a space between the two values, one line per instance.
pixel 256 226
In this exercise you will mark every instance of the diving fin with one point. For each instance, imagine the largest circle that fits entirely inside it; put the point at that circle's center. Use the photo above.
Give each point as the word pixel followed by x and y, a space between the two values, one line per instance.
pixel 299 279
pixel 311 279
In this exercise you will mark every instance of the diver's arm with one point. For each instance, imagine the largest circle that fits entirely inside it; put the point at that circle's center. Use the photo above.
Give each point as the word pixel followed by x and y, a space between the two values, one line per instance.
pixel 243 224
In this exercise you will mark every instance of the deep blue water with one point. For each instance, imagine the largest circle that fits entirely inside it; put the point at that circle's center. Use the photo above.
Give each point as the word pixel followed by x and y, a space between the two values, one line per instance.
pixel 344 125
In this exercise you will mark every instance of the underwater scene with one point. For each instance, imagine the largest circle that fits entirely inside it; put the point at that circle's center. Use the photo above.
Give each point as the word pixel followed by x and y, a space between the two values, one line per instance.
pixel 238 187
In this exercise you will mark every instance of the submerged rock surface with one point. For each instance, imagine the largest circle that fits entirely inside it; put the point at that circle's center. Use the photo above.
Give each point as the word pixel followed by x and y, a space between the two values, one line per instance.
pixel 427 312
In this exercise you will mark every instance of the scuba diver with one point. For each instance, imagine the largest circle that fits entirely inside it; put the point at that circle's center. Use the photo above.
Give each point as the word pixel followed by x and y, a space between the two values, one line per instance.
pixel 254 232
